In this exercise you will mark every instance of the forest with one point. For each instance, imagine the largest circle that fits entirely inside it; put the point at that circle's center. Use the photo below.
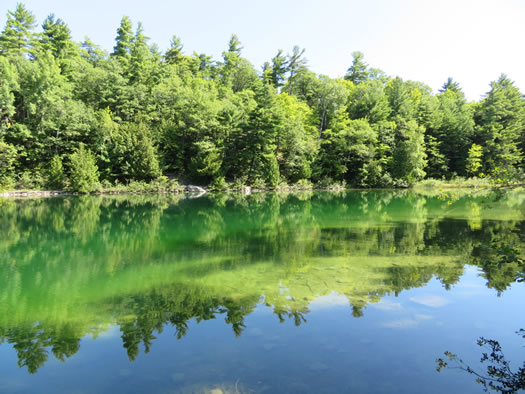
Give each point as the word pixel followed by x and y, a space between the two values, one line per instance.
pixel 73 116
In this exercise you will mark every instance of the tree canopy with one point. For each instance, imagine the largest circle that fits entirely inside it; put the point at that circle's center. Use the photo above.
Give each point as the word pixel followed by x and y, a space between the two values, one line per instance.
pixel 142 113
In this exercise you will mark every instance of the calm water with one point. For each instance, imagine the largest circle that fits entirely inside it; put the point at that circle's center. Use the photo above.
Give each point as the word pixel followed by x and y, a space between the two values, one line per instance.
pixel 307 293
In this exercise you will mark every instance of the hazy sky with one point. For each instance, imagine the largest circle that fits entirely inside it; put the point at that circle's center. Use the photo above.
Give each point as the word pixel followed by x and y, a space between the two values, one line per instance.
pixel 473 41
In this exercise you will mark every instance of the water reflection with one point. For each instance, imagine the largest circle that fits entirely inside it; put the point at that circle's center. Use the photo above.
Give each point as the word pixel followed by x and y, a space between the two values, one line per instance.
pixel 72 267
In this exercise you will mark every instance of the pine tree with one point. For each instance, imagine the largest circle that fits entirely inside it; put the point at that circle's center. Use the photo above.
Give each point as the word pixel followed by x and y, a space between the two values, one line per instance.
pixel 501 127
pixel 174 53
pixel 296 62
pixel 278 69
pixel 124 39
pixel 140 57
pixel 457 128
pixel 57 38
pixel 358 71
pixel 17 37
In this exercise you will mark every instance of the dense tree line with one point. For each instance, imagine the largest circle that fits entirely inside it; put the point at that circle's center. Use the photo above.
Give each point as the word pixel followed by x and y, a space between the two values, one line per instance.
pixel 74 115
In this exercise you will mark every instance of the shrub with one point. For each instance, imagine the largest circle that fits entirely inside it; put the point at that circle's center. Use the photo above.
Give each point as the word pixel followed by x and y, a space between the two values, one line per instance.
pixel 303 184
pixel 219 184
pixel 29 180
pixel 83 170
pixel 55 174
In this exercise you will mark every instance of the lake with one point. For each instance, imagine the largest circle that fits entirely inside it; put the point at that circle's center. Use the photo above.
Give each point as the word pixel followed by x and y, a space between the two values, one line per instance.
pixel 310 292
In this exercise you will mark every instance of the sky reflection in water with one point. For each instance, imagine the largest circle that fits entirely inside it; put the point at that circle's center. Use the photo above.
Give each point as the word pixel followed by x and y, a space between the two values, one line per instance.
pixel 322 292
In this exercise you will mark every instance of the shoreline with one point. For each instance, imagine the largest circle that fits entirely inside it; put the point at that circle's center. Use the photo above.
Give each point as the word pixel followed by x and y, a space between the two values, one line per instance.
pixel 197 190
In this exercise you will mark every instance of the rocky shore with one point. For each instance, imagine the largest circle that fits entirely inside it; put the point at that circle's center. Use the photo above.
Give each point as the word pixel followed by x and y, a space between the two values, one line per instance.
pixel 192 189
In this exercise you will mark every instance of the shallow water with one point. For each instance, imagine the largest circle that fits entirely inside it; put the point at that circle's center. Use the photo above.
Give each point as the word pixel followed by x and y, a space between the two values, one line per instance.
pixel 313 292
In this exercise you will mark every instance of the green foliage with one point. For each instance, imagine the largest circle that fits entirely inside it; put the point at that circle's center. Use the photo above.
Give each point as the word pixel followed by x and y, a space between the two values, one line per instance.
pixel 454 131
pixel 409 157
pixel 358 71
pixel 297 139
pixel 501 124
pixel 56 38
pixel 55 174
pixel 272 176
pixel 348 151
pixel 124 39
pixel 29 180
pixel 17 37
pixel 278 69
pixel 141 112
pixel 303 184
pixel 7 159
pixel 218 184
pixel 8 86
pixel 174 54
pixel 83 171
pixel 132 154
pixel 207 160
pixel 399 100
pixel 295 63
pixel 474 163
pixel 368 100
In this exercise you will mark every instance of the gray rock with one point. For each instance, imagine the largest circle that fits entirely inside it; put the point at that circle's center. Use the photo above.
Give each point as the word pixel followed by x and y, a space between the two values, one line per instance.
pixel 194 189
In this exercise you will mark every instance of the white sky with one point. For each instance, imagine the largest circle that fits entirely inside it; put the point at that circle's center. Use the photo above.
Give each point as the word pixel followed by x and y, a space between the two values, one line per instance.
pixel 473 41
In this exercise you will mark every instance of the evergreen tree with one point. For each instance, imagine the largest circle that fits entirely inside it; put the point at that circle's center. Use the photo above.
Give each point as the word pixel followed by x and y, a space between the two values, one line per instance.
pixel 207 161
pixel 132 154
pixel 231 60
pixel 456 129
pixel 174 54
pixel 399 100
pixel 56 38
pixel 140 67
pixel 501 124
pixel 124 39
pixel 295 63
pixel 409 157
pixel 55 175
pixel 92 52
pixel 358 71
pixel 278 69
pixel 83 171
pixel 451 85
pixel 17 36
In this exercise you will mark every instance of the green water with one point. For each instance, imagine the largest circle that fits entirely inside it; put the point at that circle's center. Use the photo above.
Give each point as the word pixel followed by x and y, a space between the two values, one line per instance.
pixel 311 292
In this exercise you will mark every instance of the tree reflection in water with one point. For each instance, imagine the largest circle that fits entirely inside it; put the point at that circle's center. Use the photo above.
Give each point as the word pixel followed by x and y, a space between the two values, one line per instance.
pixel 75 266
pixel 506 262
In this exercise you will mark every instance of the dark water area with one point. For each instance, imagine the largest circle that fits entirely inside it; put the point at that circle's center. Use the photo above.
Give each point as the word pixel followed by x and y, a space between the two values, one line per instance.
pixel 323 292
